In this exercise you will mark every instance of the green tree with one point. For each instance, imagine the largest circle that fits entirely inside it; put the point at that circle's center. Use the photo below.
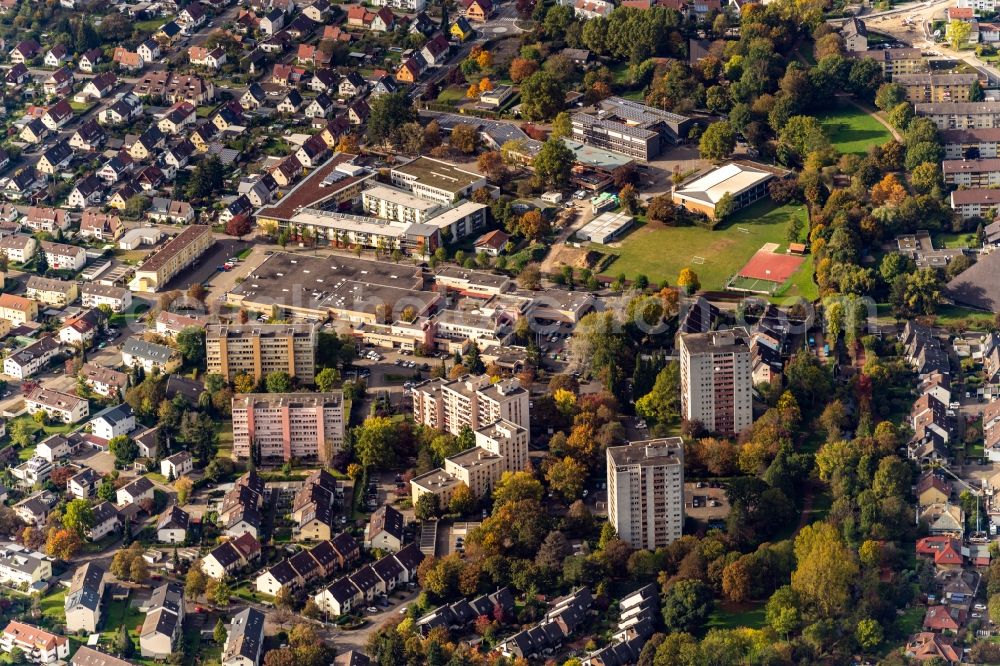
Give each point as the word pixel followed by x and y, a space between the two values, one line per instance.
pixel 562 126
pixel 826 568
pixel 686 605
pixel 206 178
pixel 388 114
pixel 22 433
pixel 427 507
pixel 889 95
pixel 517 486
pixel 220 592
pixel 542 96
pixel 78 516
pixel 123 643
pixel 662 405
pixel 567 477
pixel 123 449
pixel 803 135
pixel 717 142
pixel 375 442
pixel 278 382
pixel 195 582
pixel 327 379
pixel 554 163
pixel 191 343
pixel 868 634
pixel 220 633
pixel 926 177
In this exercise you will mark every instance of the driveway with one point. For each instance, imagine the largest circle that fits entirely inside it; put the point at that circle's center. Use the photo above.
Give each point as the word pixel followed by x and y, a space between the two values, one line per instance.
pixel 208 265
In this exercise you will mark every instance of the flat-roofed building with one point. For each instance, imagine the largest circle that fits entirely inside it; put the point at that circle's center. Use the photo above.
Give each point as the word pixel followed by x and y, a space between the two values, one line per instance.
pixel 180 252
pixel 716 380
pixel 970 143
pixel 395 204
pixel 981 173
pixel 470 282
pixel 344 288
pixel 960 115
pixel 895 61
pixel 606 227
pixel 260 349
pixel 436 482
pixel 646 491
pixel 304 426
pixel 507 440
pixel 337 182
pixel 473 402
pixel 477 468
pixel 336 227
pixel 745 182
pixel 926 87
pixel 630 128
pixel 435 180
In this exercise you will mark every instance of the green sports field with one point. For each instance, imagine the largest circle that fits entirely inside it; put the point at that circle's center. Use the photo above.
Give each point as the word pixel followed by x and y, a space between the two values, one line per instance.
pixel 851 130
pixel 660 252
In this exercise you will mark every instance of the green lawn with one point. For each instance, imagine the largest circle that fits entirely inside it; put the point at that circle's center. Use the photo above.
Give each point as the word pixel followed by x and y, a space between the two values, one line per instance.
pixel 52 606
pixel 852 130
pixel 949 315
pixel 801 284
pixel 911 620
pixel 660 252
pixel 956 240
pixel 452 95
pixel 118 613
pixel 122 318
pixel 744 615
pixel 40 431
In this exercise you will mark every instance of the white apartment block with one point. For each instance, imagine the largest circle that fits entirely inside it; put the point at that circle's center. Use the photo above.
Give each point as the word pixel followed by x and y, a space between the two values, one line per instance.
pixel 57 405
pixel 716 380
pixel 304 426
pixel 978 5
pixel 408 6
pixel 507 440
pixel 473 402
pixel 395 204
pixel 260 349
pixel 960 115
pixel 646 491
pixel 95 295
pixel 23 569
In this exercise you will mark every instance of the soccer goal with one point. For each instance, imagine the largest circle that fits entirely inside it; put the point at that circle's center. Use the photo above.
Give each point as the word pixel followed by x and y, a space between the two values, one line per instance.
pixel 697 260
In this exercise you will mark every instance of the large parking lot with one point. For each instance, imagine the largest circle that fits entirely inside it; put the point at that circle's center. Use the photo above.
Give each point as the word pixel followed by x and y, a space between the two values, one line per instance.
pixel 704 502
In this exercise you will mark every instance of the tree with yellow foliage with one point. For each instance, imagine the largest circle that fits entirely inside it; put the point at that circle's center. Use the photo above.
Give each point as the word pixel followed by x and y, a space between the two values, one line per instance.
pixel 348 143
pixel 485 85
pixel 472 92
pixel 484 60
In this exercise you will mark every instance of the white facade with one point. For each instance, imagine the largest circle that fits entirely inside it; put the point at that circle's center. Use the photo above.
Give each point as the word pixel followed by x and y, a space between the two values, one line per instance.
pixel 646 491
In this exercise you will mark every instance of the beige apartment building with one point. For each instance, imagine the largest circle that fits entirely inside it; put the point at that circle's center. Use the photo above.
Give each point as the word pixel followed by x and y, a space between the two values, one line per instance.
pixel 260 349
pixel 895 61
pixel 473 402
pixel 180 252
pixel 716 380
pixel 57 293
pixel 304 426
pixel 18 309
pixel 961 115
pixel 507 440
pixel 925 87
pixel 646 491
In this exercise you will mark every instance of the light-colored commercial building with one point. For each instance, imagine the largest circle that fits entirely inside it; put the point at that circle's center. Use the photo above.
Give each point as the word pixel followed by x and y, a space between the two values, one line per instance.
pixel 472 402
pixel 434 180
pixel 630 128
pixel 646 491
pixel 304 426
pixel 716 380
pixel 260 349
pixel 743 181
pixel 180 252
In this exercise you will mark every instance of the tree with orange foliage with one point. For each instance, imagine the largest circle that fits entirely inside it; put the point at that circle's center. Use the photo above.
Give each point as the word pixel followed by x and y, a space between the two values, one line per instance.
pixel 522 68
pixel 472 92
pixel 62 544
pixel 888 191
pixel 485 85
pixel 484 60
pixel 533 225
pixel 348 143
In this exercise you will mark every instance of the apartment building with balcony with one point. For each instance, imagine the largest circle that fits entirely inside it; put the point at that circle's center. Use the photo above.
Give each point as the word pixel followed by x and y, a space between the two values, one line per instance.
pixel 39 646
pixel 646 491
pixel 473 402
pixel 260 349
pixel 926 87
pixel 960 115
pixel 716 380
pixel 304 426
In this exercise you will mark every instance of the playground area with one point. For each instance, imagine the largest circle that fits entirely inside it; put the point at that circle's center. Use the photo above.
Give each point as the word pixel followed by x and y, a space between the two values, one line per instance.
pixel 766 270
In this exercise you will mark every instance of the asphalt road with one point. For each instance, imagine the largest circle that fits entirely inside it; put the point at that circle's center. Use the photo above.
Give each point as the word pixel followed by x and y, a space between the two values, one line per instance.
pixel 209 263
